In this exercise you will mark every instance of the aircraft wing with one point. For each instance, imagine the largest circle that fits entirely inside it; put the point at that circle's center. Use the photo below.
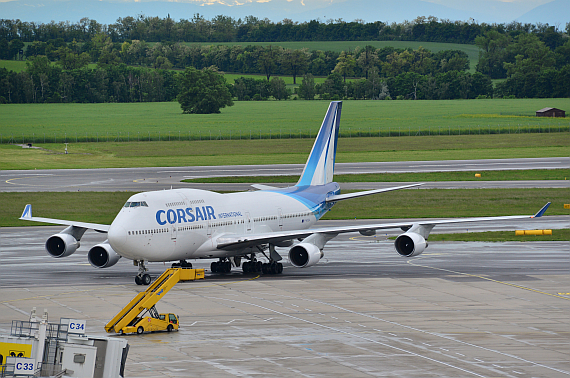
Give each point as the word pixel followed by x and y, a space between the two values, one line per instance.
pixel 232 242
pixel 27 215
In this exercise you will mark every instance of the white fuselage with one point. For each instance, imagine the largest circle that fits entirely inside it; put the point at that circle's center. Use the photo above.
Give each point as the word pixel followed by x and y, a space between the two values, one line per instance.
pixel 184 224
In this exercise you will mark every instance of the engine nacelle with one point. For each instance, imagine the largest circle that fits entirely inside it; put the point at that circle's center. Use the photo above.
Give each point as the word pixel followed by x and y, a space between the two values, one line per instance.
pixel 304 255
pixel 410 244
pixel 61 245
pixel 102 256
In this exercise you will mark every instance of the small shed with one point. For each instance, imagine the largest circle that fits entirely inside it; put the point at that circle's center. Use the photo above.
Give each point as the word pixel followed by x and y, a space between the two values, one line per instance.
pixel 550 112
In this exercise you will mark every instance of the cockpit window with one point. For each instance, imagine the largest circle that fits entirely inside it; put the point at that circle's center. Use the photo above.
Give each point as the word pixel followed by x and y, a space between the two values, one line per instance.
pixel 136 204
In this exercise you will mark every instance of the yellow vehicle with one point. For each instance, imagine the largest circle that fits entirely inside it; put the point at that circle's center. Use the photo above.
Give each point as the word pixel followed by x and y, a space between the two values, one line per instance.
pixel 163 322
pixel 132 317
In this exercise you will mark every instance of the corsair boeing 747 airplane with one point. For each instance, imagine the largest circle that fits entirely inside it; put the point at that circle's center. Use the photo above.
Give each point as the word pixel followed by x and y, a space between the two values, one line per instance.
pixel 236 228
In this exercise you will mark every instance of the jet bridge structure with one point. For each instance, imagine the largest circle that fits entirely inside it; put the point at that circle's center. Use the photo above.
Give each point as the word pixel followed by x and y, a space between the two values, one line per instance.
pixel 131 317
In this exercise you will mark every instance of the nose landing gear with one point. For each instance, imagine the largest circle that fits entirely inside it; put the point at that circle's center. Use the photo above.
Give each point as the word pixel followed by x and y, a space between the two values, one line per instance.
pixel 142 278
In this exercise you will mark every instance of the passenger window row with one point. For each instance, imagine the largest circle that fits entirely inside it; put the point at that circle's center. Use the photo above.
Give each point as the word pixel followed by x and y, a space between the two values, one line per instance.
pixel 148 232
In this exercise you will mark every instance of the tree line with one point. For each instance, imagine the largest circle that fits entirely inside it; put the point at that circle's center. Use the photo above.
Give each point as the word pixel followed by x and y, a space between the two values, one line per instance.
pixel 139 71
pixel 252 29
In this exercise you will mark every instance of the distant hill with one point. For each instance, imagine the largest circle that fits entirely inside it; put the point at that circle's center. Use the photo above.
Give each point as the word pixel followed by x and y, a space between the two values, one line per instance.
pixel 555 13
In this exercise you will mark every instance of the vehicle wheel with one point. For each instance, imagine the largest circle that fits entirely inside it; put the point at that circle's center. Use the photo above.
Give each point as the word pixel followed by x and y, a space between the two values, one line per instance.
pixel 146 279
pixel 140 330
pixel 214 267
pixel 138 280
pixel 169 328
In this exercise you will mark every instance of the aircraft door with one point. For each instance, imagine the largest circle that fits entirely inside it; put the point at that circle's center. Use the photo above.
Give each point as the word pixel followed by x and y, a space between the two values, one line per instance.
pixel 280 217
pixel 173 232
pixel 247 222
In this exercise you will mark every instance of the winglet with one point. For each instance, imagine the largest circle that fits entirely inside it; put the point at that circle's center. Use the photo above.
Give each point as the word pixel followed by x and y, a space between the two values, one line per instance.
pixel 27 212
pixel 542 211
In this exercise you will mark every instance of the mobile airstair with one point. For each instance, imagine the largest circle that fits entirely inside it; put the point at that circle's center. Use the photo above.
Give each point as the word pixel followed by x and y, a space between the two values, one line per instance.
pixel 131 317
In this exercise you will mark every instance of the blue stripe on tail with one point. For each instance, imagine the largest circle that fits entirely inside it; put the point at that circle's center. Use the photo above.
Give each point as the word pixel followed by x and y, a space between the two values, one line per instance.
pixel 319 168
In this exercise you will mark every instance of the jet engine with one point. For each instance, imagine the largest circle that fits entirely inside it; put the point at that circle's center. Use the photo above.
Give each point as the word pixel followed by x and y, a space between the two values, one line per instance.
pixel 304 255
pixel 102 256
pixel 61 245
pixel 410 244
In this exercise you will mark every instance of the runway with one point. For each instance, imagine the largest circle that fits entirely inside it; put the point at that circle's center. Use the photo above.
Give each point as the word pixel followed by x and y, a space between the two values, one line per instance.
pixel 146 179
pixel 458 310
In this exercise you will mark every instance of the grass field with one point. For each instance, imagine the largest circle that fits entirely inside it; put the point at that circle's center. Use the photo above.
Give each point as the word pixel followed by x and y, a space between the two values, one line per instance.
pixel 101 207
pixel 471 50
pixel 532 174
pixel 501 236
pixel 282 151
pixel 271 119
pixel 13 65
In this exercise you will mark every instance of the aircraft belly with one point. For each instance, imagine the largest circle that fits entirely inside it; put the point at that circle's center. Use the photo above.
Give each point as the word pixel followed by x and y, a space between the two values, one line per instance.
pixel 186 245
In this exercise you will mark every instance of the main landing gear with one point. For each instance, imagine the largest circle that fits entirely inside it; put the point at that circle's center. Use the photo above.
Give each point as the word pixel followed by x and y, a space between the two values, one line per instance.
pixel 142 278
pixel 222 266
pixel 273 267
pixel 182 264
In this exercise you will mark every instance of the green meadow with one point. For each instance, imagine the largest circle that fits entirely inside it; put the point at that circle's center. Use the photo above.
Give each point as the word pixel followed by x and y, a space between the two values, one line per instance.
pixel 501 236
pixel 530 174
pixel 281 151
pixel 338 46
pixel 272 119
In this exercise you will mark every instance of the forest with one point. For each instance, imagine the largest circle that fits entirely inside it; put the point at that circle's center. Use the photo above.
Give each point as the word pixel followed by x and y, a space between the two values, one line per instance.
pixel 531 60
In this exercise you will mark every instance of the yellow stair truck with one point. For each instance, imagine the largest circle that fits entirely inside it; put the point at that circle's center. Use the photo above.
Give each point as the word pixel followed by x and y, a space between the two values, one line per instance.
pixel 140 315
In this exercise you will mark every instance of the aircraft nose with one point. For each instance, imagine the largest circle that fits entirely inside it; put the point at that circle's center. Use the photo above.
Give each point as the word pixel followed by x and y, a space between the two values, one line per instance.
pixel 117 236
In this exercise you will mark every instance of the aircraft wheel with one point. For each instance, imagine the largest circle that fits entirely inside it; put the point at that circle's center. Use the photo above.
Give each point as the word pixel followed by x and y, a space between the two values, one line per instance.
pixel 140 330
pixel 146 279
pixel 169 328
pixel 175 265
pixel 273 268
pixel 264 269
pixel 228 267
pixel 214 267
pixel 258 267
pixel 245 267
pixel 138 280
pixel 279 268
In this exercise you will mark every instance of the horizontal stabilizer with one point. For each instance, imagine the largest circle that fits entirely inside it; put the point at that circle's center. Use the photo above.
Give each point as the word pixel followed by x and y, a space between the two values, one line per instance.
pixel 340 197
pixel 542 211
pixel 263 187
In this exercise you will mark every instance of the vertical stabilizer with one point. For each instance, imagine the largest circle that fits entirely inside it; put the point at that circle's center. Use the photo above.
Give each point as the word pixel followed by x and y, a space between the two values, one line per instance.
pixel 319 169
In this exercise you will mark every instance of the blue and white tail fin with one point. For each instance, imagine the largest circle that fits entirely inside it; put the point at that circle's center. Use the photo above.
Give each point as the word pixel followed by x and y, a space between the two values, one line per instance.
pixel 319 169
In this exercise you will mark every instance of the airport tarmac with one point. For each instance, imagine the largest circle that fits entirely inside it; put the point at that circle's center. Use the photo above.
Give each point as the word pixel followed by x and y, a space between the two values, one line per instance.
pixel 458 310
pixel 158 178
